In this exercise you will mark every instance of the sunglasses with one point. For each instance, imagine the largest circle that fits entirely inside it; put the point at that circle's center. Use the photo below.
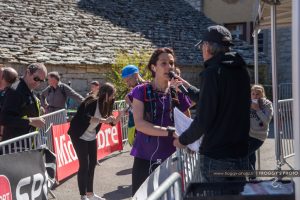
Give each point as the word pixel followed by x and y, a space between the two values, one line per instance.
pixel 37 79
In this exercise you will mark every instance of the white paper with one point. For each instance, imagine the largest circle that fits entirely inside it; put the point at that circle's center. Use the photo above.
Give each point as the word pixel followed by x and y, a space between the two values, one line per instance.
pixel 182 122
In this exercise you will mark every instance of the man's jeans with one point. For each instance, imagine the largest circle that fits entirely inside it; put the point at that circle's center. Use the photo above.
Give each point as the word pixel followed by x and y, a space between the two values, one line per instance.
pixel 208 165
pixel 217 185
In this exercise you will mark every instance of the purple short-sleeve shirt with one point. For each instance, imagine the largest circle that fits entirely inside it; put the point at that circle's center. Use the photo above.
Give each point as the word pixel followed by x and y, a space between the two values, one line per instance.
pixel 152 147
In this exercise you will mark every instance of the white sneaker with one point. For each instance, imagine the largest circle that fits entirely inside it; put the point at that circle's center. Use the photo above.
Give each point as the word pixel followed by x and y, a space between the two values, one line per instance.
pixel 84 197
pixel 95 197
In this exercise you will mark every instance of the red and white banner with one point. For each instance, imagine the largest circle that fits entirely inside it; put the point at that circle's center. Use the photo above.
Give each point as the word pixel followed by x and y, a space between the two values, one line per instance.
pixel 66 158
pixel 109 139
pixel 5 189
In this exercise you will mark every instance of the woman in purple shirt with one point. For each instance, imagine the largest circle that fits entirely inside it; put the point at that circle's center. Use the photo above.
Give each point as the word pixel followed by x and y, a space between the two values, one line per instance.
pixel 153 105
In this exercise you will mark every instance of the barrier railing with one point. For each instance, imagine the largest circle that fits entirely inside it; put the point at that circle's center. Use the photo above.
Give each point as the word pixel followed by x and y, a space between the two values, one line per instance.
pixel 19 144
pixel 121 105
pixel 285 91
pixel 54 118
pixel 170 189
pixel 60 117
pixel 188 165
pixel 285 116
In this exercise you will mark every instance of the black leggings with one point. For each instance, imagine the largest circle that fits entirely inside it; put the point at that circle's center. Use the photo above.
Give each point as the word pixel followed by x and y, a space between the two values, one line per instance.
pixel 87 155
pixel 140 172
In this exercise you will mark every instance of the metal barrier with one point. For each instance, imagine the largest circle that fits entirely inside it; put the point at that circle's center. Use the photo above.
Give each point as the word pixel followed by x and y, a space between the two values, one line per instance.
pixel 54 118
pixel 60 117
pixel 285 91
pixel 187 172
pixel 19 144
pixel 188 165
pixel 170 189
pixel 121 105
pixel 285 116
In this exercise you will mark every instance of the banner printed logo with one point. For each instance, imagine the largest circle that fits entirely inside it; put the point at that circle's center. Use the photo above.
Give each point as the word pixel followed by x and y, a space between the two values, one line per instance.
pixel 5 189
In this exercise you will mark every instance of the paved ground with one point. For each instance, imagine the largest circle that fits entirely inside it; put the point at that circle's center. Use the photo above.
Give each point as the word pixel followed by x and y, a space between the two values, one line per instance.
pixel 112 179
pixel 113 176
pixel 268 158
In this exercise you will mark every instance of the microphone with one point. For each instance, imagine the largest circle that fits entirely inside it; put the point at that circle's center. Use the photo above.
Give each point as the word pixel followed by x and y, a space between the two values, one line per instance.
pixel 180 87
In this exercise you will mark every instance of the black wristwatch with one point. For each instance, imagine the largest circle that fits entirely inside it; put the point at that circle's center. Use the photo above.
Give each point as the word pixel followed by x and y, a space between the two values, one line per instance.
pixel 171 130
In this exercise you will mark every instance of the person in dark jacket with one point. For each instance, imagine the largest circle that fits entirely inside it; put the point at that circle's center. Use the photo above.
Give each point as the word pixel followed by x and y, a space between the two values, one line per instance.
pixel 222 110
pixel 20 113
pixel 92 112
pixel 8 76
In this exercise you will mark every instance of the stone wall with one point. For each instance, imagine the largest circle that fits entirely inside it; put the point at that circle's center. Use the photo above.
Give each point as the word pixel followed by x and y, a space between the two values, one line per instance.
pixel 81 75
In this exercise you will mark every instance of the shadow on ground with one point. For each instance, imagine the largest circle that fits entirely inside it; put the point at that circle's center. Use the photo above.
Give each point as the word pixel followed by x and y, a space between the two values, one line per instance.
pixel 124 172
pixel 120 193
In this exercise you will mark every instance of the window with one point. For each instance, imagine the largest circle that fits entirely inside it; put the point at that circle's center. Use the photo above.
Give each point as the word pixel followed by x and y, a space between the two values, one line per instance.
pixel 238 30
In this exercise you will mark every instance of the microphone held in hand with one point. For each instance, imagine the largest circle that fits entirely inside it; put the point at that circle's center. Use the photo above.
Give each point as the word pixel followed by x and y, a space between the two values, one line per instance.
pixel 180 87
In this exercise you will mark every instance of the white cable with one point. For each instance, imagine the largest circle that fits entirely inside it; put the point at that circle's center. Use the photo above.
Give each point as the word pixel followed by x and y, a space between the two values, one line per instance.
pixel 161 122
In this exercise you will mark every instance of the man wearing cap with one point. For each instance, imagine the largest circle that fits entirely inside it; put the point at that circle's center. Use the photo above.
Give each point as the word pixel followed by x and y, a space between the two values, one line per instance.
pixel 130 74
pixel 222 110
pixel 54 97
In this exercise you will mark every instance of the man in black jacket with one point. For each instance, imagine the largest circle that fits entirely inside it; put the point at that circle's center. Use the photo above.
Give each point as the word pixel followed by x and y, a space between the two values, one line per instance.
pixel 222 109
pixel 21 108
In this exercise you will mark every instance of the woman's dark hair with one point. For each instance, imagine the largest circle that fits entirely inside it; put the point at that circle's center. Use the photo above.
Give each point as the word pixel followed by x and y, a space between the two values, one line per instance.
pixel 106 108
pixel 155 55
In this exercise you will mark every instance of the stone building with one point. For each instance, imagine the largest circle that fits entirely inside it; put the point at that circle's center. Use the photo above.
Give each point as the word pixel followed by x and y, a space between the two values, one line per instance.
pixel 80 38
pixel 239 16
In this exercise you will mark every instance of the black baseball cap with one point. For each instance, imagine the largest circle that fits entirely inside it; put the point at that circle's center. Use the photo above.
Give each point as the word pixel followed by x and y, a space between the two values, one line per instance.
pixel 218 34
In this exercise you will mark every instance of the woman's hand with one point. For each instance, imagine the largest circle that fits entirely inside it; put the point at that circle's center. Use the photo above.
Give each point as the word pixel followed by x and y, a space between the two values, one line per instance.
pixel 109 120
pixel 176 83
pixel 255 106
pixel 118 118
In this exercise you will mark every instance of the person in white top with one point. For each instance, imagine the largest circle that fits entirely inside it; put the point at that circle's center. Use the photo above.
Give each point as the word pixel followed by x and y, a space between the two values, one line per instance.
pixel 92 112
pixel 261 113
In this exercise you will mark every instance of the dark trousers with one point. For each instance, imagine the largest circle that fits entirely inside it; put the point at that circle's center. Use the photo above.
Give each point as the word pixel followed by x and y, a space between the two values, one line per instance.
pixel 140 172
pixel 87 155
pixel 254 145
pixel 226 185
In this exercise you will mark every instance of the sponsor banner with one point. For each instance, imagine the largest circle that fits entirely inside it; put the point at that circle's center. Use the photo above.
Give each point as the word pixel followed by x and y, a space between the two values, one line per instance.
pixel 5 189
pixel 109 139
pixel 66 158
pixel 23 176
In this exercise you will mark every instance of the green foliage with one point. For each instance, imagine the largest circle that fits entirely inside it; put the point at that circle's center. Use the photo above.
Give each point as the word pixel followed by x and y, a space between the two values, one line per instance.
pixel 123 58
